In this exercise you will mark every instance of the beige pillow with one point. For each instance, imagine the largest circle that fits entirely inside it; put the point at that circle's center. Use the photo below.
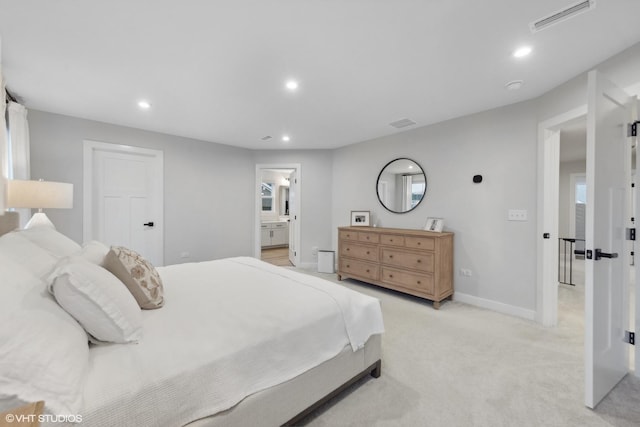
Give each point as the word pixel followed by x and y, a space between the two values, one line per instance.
pixel 140 277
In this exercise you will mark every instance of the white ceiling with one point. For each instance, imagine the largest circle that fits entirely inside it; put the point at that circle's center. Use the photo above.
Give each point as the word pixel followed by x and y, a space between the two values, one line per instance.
pixel 215 70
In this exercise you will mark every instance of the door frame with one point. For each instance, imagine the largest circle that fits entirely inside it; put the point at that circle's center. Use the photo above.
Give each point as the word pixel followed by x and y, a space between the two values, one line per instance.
pixel 258 206
pixel 89 148
pixel 548 212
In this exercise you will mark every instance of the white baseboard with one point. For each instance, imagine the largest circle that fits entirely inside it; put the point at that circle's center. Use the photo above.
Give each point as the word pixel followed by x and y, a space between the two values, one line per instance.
pixel 500 307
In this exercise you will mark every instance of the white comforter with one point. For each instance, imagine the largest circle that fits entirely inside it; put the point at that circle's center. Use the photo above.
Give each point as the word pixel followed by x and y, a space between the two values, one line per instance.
pixel 229 328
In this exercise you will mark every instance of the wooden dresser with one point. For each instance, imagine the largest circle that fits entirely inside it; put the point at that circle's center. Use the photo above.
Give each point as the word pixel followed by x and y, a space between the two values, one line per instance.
pixel 415 262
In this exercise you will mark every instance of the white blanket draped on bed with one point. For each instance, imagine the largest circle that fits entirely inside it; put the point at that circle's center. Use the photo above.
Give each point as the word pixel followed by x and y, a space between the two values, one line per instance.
pixel 229 328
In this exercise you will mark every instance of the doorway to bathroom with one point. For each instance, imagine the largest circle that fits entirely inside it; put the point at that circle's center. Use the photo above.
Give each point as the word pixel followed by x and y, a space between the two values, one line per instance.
pixel 278 213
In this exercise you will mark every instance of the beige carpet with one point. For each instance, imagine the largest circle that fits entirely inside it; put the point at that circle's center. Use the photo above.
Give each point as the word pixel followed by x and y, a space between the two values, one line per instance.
pixel 467 366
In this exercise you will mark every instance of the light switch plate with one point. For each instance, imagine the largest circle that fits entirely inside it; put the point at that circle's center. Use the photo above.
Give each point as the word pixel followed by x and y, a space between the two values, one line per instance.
pixel 517 215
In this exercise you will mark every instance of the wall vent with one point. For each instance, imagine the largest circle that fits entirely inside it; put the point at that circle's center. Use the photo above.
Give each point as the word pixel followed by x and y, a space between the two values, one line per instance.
pixel 402 123
pixel 562 15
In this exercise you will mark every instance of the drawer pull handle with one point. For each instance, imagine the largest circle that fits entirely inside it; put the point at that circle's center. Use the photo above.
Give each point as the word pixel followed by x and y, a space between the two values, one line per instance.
pixel 418 282
pixel 390 256
pixel 367 270
pixel 367 237
pixel 367 252
pixel 419 261
pixel 348 249
pixel 348 266
pixel 419 243
pixel 390 276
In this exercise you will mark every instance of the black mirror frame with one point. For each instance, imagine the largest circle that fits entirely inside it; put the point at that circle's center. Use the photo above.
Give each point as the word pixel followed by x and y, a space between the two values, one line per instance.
pixel 423 194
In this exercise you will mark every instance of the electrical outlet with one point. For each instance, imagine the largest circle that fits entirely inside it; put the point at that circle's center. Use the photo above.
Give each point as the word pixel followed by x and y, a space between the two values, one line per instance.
pixel 465 272
pixel 184 255
pixel 314 250
pixel 517 215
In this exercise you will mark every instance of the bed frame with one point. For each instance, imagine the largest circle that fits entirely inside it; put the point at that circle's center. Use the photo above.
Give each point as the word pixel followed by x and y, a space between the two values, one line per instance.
pixel 291 402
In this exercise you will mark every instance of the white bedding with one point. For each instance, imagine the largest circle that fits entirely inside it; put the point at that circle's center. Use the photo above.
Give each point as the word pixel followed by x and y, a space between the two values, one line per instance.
pixel 229 328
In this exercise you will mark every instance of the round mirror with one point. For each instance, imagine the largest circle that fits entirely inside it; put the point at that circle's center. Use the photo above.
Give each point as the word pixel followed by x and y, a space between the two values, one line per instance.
pixel 401 185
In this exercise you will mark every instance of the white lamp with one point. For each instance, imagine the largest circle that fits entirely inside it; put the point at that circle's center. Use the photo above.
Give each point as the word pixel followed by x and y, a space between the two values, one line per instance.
pixel 39 195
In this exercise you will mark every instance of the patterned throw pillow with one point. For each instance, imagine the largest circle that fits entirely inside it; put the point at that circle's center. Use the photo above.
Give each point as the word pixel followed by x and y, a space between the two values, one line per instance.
pixel 140 277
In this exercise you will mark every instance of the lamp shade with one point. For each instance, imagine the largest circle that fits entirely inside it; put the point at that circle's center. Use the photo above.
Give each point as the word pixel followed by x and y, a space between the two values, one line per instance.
pixel 39 194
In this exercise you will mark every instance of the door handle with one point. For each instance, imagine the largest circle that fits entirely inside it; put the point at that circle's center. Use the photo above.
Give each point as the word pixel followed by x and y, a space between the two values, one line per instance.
pixel 148 224
pixel 599 254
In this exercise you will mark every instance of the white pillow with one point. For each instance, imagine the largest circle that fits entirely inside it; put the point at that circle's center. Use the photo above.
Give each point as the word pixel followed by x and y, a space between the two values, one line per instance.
pixel 94 252
pixel 44 354
pixel 97 300
pixel 52 241
pixel 17 248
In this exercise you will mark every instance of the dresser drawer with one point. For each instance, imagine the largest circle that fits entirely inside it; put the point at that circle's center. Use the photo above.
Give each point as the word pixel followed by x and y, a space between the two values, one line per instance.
pixel 348 235
pixel 359 268
pixel 369 253
pixel 414 281
pixel 416 261
pixel 392 240
pixel 368 237
pixel 420 242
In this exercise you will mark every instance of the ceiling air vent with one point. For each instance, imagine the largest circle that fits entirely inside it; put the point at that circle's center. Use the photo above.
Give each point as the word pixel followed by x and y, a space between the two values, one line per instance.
pixel 561 15
pixel 402 123
pixel 266 138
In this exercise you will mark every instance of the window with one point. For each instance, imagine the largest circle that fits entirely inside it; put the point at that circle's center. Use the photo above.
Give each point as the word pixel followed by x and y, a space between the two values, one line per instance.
pixel 581 192
pixel 267 196
pixel 417 191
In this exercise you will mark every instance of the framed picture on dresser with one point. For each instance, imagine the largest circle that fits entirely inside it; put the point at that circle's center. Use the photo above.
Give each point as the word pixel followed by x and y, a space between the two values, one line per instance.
pixel 434 224
pixel 360 218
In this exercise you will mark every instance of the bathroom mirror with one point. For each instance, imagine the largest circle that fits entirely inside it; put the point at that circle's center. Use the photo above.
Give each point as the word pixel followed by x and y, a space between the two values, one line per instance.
pixel 401 185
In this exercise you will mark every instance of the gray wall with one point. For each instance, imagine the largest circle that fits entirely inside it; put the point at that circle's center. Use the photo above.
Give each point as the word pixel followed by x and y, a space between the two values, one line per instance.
pixel 207 187
pixel 498 144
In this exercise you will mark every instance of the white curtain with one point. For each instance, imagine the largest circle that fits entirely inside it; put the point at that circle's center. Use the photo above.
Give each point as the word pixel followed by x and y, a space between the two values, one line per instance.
pixel 19 134
pixel 407 181
pixel 4 157
pixel 20 149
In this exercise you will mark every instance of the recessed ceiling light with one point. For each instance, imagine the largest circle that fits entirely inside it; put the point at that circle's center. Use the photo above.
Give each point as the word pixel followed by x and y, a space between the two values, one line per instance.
pixel 286 138
pixel 514 85
pixel 145 105
pixel 522 52
pixel 292 85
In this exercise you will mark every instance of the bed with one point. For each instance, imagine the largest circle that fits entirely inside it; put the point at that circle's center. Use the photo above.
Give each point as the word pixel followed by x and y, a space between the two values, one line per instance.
pixel 234 342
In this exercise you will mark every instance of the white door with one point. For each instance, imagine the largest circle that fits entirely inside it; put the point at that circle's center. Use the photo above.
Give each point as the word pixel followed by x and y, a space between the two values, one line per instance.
pixel 293 215
pixel 125 206
pixel 636 265
pixel 606 269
